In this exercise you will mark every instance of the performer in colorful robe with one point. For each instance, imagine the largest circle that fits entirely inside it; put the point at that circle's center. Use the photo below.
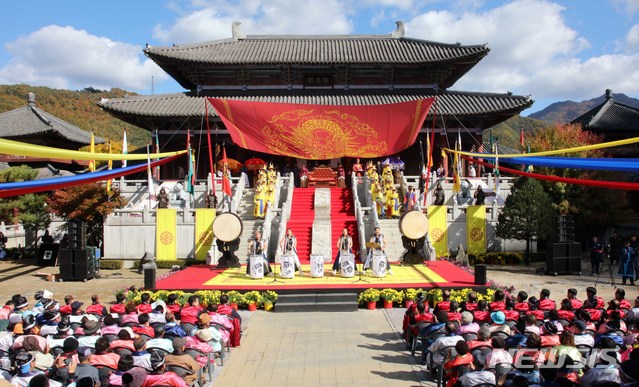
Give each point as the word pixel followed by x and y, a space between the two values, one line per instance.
pixel 288 244
pixel 344 246
pixel 272 175
pixel 392 204
pixel 410 199
pixel 357 168
pixel 270 194
pixel 259 209
pixel 257 246
pixel 378 197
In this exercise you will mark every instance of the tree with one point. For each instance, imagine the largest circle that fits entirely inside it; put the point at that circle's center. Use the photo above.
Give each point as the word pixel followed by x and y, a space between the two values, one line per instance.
pixel 89 203
pixel 29 209
pixel 528 214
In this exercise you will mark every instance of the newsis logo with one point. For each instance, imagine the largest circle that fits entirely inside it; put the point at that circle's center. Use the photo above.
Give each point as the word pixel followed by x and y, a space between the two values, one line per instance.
pixel 527 359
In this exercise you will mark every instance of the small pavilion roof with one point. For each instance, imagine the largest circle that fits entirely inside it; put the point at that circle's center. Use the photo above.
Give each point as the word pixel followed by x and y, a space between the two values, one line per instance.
pixel 610 116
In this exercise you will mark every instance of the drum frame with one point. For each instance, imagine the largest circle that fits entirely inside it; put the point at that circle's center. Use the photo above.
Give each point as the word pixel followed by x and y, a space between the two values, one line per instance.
pixel 401 219
pixel 261 259
pixel 292 261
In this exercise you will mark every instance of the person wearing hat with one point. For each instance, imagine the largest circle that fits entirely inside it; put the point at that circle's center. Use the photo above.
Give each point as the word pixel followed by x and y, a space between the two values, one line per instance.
pixel 6 340
pixel 179 358
pixel 50 321
pixel 134 377
pixel 96 308
pixel 410 199
pixel 159 376
pixel 84 368
pixel 498 319
pixel 200 342
pixel 467 324
pixel 43 361
pixel 124 339
pixel 159 341
pixel 549 336
pixel 37 307
pixel 392 203
pixel 65 365
pixel 157 315
pixel 479 375
pixel 91 333
pixel 20 309
pixel 533 308
pixel 580 336
pixel 24 368
pixel 28 325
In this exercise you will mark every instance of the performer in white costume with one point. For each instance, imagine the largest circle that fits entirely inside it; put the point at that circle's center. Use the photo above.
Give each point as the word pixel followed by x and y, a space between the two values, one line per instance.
pixel 378 238
pixel 257 246
pixel 288 244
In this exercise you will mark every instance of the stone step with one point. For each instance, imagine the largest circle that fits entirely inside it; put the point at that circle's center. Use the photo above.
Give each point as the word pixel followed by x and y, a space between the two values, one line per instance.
pixel 317 302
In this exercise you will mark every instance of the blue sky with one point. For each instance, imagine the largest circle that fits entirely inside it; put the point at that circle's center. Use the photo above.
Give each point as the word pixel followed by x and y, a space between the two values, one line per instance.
pixel 552 50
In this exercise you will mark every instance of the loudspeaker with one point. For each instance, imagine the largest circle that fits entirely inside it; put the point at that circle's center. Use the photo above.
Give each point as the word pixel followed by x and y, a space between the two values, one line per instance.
pixel 480 274
pixel 574 250
pixel 77 264
pixel 66 257
pixel 76 233
pixel 566 229
pixel 564 258
pixel 47 254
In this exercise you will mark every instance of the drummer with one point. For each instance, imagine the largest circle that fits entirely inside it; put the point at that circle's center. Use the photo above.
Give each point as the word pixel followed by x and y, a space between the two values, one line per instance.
pixel 344 246
pixel 377 239
pixel 288 244
pixel 257 246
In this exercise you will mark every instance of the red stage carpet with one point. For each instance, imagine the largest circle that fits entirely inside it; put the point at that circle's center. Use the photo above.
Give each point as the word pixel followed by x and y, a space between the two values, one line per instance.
pixel 440 274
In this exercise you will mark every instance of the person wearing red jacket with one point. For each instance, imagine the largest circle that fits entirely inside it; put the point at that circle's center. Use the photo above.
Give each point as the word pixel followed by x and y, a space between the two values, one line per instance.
pixel 96 308
pixel 509 310
pixel 498 302
pixel 144 328
pixel 444 304
pixel 453 314
pixel 145 303
pixel 565 312
pixel 482 315
pixel 572 296
pixel 471 304
pixel 422 316
pixel 545 303
pixel 620 295
pixel 66 308
pixel 172 305
pixel 191 312
pixel 522 302
pixel 533 305
pixel 120 304
pixel 225 308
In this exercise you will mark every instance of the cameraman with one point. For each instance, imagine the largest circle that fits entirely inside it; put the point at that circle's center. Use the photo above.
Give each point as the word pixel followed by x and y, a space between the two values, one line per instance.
pixel 596 255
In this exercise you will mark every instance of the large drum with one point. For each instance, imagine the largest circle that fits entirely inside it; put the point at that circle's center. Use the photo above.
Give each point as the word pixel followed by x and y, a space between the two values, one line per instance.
pixel 317 265
pixel 227 227
pixel 256 270
pixel 287 266
pixel 347 265
pixel 413 224
pixel 379 264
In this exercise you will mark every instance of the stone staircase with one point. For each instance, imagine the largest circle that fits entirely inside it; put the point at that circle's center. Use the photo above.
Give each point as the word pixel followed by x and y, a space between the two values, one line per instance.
pixel 393 238
pixel 249 223
pixel 317 302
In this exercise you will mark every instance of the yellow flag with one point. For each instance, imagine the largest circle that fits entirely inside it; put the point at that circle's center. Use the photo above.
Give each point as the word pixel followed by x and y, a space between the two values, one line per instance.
pixel 437 229
pixel 203 231
pixel 456 181
pixel 476 229
pixel 165 234
pixel 92 150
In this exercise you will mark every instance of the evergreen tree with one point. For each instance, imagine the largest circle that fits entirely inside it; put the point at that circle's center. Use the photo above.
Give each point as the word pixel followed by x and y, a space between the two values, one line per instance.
pixel 528 214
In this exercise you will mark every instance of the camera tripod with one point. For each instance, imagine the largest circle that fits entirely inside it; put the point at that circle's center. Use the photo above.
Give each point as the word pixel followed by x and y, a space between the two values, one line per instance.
pixel 610 270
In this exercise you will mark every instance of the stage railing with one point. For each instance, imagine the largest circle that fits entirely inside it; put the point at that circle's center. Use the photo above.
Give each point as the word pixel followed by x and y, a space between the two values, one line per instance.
pixel 285 213
pixel 370 201
pixel 238 192
pixel 272 210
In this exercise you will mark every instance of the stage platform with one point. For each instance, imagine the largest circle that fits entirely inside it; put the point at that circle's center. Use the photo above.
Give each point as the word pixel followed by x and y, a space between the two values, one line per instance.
pixel 438 274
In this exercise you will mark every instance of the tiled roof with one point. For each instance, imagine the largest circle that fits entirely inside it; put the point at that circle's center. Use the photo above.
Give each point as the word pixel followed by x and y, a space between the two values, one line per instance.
pixel 31 121
pixel 348 49
pixel 610 115
pixel 448 103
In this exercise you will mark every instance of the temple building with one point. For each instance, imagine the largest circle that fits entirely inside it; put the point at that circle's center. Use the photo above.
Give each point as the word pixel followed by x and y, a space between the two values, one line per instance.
pixel 615 121
pixel 328 70
pixel 31 124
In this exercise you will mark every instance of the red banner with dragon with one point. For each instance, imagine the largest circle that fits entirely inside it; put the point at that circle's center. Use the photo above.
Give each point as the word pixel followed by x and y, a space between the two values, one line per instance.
pixel 321 132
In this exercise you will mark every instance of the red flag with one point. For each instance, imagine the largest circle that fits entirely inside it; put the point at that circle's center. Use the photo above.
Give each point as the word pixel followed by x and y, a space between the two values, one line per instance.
pixel 521 138
pixel 320 132
pixel 226 180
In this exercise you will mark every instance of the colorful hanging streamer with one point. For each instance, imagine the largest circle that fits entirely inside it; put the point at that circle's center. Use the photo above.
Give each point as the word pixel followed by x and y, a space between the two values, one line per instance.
pixel 576 162
pixel 603 145
pixel 9 147
pixel 33 186
pixel 558 179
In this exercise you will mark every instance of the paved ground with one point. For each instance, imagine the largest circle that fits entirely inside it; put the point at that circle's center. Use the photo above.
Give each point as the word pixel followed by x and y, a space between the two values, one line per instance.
pixel 295 349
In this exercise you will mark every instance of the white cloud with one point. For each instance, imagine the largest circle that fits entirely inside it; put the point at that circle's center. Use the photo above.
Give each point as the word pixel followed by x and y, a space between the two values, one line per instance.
pixel 632 38
pixel 628 7
pixel 533 51
pixel 64 57
pixel 209 21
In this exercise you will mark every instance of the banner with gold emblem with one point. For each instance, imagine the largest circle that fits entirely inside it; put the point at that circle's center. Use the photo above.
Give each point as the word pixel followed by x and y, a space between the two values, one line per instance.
pixel 437 229
pixel 203 231
pixel 476 229
pixel 322 132
pixel 165 234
